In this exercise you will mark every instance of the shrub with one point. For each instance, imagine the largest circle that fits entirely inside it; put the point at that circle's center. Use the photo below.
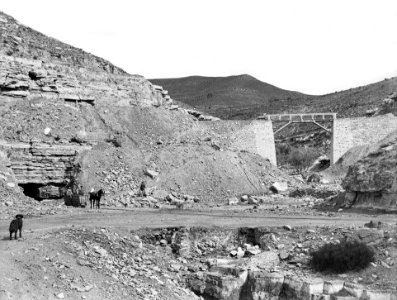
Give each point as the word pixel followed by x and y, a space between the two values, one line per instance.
pixel 302 158
pixel 339 258
pixel 282 152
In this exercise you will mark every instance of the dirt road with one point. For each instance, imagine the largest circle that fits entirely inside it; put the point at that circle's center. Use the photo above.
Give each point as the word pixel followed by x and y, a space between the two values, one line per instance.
pixel 134 219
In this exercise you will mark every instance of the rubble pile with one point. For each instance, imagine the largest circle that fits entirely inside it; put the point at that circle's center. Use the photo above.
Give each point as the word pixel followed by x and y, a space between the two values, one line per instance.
pixel 140 268
pixel 276 264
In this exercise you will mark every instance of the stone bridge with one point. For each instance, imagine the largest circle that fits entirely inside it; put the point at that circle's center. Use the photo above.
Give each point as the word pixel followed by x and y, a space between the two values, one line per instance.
pixel 258 136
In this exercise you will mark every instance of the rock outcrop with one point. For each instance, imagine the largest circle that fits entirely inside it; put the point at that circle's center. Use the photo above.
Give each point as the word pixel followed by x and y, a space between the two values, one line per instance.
pixel 42 169
pixel 372 181
pixel 28 79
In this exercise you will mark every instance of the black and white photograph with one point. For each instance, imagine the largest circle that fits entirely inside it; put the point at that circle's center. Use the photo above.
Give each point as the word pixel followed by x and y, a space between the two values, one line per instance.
pixel 198 150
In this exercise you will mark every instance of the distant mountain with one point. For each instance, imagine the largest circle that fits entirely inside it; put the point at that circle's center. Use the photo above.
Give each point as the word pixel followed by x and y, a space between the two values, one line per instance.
pixel 245 97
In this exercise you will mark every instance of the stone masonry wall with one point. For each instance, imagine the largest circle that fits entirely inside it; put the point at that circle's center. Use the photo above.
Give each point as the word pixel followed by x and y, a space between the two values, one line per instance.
pixel 348 133
pixel 252 136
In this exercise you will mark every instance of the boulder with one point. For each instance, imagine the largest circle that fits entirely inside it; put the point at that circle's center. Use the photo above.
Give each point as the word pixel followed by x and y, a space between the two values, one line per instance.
pixel 244 198
pixel 151 173
pixel 333 286
pixel 315 177
pixel 279 187
pixel 370 236
pixel 160 194
pixel 283 255
pixel 232 201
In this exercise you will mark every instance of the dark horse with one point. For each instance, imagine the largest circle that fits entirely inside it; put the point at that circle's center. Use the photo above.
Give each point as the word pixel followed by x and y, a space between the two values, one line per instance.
pixel 95 198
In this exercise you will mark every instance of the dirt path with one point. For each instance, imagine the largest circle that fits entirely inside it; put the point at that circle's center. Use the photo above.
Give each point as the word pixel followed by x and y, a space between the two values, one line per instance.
pixel 134 219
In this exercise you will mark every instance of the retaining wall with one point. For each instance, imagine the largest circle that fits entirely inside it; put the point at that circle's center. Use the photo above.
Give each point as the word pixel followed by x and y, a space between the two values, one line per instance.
pixel 252 136
pixel 348 133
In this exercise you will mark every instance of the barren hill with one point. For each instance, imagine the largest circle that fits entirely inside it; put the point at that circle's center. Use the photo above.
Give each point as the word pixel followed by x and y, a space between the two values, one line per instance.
pixel 245 97
pixel 234 97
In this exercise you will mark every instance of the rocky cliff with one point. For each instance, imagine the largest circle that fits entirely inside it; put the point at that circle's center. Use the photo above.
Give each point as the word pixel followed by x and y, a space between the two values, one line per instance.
pixel 372 181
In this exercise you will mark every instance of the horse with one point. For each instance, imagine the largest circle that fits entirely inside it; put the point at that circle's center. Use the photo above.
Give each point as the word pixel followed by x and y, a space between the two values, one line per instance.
pixel 95 197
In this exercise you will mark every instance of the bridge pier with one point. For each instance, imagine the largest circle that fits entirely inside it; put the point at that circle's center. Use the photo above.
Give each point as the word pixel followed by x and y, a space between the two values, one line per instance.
pixel 346 133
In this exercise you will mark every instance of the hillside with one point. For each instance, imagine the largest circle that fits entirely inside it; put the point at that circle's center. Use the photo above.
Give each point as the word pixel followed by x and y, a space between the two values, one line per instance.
pixel 67 115
pixel 245 97
pixel 18 40
pixel 234 97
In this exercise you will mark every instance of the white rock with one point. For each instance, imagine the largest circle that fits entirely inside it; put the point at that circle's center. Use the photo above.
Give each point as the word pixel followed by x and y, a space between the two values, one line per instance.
pixel 333 286
pixel 232 201
pixel 47 130
pixel 279 187
pixel 151 173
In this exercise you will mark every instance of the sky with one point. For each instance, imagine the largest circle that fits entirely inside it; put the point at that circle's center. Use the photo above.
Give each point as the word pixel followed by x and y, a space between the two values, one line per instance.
pixel 310 46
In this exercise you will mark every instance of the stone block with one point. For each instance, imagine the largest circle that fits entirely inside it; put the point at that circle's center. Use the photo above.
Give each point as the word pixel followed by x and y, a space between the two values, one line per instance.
pixel 333 286
pixel 264 285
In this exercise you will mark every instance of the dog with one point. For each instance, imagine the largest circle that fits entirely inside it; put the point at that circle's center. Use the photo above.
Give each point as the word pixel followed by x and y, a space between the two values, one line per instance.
pixel 95 198
pixel 16 225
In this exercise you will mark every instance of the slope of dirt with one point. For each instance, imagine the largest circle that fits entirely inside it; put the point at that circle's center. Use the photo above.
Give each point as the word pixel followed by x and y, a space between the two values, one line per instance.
pixel 244 97
pixel 124 142
pixel 340 168
pixel 181 151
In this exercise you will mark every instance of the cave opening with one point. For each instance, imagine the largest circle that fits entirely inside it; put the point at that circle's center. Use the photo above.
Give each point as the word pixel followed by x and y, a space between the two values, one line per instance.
pixel 41 191
pixel 31 190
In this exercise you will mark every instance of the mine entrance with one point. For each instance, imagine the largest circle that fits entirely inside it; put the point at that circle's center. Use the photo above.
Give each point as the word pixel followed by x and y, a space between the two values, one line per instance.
pixel 302 138
pixel 40 191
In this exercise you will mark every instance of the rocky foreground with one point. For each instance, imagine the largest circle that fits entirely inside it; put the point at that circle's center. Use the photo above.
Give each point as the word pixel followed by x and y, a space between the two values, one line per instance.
pixel 174 262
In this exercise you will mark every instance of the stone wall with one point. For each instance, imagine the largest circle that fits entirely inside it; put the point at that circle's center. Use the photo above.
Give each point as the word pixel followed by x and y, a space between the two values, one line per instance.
pixel 348 133
pixel 252 136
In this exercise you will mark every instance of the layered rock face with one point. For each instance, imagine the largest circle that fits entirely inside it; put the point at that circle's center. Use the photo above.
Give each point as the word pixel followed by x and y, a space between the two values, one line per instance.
pixel 41 168
pixel 372 181
pixel 31 79
pixel 44 85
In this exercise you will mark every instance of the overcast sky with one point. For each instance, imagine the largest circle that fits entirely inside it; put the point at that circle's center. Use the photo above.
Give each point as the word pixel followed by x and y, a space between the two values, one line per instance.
pixel 311 46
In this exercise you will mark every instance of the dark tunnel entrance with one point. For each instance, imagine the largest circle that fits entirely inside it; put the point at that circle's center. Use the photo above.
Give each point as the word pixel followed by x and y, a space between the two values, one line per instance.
pixel 40 191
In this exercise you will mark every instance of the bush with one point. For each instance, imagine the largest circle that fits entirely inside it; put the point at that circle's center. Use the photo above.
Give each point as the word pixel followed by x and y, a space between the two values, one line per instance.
pixel 302 158
pixel 282 152
pixel 339 258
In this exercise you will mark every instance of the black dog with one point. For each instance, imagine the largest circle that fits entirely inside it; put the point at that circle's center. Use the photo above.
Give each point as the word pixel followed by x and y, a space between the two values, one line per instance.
pixel 95 198
pixel 16 225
